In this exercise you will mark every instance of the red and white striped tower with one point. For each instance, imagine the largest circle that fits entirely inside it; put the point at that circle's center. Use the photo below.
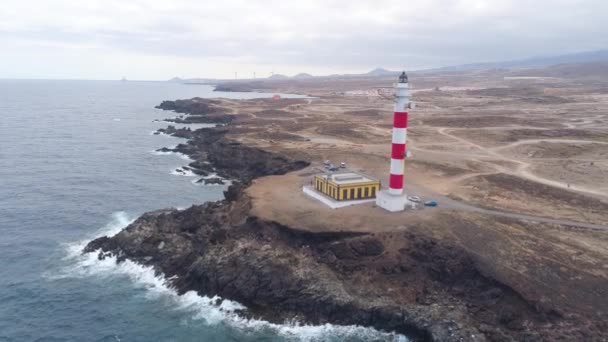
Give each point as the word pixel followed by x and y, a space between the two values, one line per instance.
pixel 394 199
pixel 398 149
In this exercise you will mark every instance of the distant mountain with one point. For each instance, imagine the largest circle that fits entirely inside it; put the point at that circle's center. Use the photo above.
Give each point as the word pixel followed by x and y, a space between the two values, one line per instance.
pixel 536 62
pixel 278 77
pixel 591 57
pixel 381 72
pixel 302 75
pixel 590 70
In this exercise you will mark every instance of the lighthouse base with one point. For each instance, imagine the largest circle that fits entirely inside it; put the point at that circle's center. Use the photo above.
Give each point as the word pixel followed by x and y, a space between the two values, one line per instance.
pixel 391 202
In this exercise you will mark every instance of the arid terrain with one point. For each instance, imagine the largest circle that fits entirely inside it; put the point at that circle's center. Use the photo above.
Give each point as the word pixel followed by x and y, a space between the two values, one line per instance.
pixel 536 147
pixel 517 248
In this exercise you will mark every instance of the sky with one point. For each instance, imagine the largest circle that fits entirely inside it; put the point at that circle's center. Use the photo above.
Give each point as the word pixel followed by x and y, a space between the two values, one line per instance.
pixel 157 40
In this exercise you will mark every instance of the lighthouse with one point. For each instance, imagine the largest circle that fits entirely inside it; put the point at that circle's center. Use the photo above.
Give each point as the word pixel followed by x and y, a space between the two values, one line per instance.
pixel 394 199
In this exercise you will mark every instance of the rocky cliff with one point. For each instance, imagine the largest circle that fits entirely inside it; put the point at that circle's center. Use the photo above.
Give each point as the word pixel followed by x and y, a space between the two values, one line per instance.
pixel 424 289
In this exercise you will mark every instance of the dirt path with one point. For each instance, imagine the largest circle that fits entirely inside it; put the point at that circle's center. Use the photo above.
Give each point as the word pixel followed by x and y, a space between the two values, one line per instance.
pixel 452 204
pixel 522 169
pixel 534 141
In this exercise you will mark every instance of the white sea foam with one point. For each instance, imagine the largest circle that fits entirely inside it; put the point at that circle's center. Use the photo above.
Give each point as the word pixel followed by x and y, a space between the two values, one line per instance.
pixel 158 133
pixel 119 220
pixel 161 153
pixel 172 153
pixel 203 308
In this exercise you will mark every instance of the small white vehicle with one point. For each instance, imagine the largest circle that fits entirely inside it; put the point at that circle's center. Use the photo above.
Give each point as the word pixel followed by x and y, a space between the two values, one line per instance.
pixel 343 165
pixel 414 199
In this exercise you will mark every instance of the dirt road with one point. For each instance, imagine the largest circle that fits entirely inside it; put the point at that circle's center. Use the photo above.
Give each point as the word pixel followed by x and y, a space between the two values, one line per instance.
pixel 452 204
pixel 522 168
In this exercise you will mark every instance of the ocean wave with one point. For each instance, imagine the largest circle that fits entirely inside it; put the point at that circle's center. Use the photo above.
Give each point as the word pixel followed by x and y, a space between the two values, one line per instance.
pixel 159 133
pixel 184 156
pixel 161 153
pixel 118 222
pixel 210 310
pixel 172 153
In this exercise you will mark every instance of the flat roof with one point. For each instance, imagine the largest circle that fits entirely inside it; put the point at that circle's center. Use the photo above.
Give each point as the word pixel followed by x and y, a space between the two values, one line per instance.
pixel 347 178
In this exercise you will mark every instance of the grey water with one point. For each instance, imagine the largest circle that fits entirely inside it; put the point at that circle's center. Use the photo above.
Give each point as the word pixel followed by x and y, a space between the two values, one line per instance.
pixel 77 161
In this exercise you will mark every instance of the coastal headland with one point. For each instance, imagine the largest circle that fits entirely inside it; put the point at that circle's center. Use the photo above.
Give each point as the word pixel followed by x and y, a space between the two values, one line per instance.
pixel 513 252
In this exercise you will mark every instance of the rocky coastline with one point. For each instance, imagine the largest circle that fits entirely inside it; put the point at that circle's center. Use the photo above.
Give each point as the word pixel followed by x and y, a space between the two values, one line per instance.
pixel 283 273
pixel 196 111
pixel 193 106
pixel 213 153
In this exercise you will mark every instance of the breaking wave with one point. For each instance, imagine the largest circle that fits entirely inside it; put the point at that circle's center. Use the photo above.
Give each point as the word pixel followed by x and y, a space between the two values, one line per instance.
pixel 159 133
pixel 172 153
pixel 210 311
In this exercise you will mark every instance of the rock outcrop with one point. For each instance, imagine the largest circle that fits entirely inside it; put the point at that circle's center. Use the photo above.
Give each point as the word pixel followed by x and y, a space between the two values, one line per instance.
pixel 424 289
pixel 197 110
pixel 212 152
pixel 185 133
pixel 195 106
pixel 203 119
pixel 211 181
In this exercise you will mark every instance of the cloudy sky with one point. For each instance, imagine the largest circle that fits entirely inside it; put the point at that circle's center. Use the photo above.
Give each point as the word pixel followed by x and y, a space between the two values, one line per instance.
pixel 159 39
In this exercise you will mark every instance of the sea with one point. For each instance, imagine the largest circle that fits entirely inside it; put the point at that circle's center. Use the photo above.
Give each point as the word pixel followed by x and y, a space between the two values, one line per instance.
pixel 78 161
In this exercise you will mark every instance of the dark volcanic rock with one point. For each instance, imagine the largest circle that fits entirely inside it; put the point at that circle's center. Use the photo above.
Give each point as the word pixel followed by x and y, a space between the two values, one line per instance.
pixel 213 152
pixel 216 249
pixel 213 180
pixel 198 110
pixel 280 273
pixel 234 192
pixel 196 106
pixel 203 119
pixel 180 133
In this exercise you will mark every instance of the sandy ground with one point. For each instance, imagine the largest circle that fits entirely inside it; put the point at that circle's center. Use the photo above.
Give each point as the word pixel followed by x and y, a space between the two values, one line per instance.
pixel 457 138
pixel 528 147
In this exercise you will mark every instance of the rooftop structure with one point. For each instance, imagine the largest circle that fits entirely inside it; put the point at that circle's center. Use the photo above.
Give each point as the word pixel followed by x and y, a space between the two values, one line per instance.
pixel 346 186
pixel 346 178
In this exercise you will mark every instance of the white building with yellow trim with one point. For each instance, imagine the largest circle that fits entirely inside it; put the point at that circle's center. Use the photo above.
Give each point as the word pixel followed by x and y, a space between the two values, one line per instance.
pixel 346 186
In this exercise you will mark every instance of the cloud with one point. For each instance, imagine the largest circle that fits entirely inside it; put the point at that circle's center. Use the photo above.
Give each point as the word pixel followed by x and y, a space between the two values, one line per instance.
pixel 220 37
